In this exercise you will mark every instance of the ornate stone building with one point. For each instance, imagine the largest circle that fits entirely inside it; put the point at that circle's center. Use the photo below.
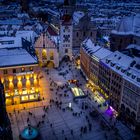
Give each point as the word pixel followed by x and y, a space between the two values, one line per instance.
pixel 126 33
pixel 47 48
pixel 82 30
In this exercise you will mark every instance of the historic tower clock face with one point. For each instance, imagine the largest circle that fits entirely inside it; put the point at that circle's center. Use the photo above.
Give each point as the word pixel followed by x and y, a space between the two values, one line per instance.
pixel 66 38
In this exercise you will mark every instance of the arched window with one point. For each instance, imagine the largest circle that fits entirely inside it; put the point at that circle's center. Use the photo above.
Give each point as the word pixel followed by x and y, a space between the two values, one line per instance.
pixel 51 55
pixel 77 34
pixel 90 33
pixel 44 54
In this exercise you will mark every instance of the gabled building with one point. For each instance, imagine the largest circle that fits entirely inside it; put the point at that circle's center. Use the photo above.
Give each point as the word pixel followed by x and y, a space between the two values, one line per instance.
pixel 47 48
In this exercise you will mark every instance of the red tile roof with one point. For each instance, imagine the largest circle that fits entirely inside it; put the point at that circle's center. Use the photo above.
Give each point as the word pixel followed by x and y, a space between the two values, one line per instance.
pixel 52 31
pixel 66 19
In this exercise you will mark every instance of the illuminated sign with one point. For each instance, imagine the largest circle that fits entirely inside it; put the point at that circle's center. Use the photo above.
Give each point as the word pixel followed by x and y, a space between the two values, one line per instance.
pixel 24 73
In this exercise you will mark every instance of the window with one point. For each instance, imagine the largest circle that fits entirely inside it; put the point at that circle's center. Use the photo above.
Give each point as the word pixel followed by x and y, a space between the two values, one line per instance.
pixel 84 34
pixel 66 50
pixel 7 42
pixel 77 34
pixel 90 33
pixel 51 56
pixel 22 69
pixel 44 54
pixel 5 72
pixel 31 68
pixel 14 70
pixel 66 38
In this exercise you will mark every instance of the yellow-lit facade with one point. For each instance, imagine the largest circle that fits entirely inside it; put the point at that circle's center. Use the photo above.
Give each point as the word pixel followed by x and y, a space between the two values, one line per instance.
pixel 21 84
pixel 47 51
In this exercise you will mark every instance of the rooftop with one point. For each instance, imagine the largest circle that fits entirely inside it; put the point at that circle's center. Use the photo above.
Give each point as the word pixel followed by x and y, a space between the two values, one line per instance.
pixel 95 50
pixel 15 57
pixel 128 67
pixel 129 25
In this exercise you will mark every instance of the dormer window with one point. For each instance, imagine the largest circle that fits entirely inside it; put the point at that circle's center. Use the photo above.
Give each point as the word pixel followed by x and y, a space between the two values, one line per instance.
pixel 112 64
pixel 119 58
pixel 123 71
pixel 118 67
pixel 138 79
pixel 128 73
pixel 133 76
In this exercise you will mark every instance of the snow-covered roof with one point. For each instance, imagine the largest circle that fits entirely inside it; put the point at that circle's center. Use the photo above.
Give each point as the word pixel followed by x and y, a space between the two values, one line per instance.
pixel 88 45
pixel 95 50
pixel 135 46
pixel 129 25
pixel 77 16
pixel 128 67
pixel 56 39
pixel 28 35
pixel 9 42
pixel 101 53
pixel 15 57
pixel 13 21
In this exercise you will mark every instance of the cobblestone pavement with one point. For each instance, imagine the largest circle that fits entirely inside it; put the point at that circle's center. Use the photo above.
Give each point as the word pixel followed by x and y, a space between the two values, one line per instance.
pixel 52 116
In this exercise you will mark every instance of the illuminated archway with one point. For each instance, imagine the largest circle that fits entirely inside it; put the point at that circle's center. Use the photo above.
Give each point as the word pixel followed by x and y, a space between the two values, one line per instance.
pixel 50 64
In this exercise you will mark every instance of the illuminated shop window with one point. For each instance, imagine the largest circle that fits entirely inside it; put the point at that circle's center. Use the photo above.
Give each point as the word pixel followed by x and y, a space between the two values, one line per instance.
pixel 22 69
pixel 24 98
pixel 31 68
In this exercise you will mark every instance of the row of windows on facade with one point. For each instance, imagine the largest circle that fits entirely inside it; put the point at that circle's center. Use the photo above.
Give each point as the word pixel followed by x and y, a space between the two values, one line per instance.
pixel 7 42
pixel 15 71
pixel 15 79
pixel 66 38
pixel 130 94
pixel 116 84
pixel 115 90
pixel 84 34
pixel 6 85
pixel 132 87
pixel 129 103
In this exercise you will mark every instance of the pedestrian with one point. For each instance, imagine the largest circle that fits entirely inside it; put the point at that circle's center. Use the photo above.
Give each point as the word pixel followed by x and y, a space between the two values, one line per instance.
pixel 62 131
pixel 27 120
pixel 90 126
pixel 81 129
pixel 85 129
pixel 71 132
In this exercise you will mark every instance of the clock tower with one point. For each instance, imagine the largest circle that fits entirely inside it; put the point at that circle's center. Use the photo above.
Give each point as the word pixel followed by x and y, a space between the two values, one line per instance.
pixel 66 32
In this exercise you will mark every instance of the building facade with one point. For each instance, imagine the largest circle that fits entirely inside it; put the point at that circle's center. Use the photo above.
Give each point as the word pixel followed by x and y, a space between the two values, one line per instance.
pixel 83 29
pixel 130 104
pixel 90 56
pixel 125 86
pixel 47 50
pixel 126 33
pixel 66 37
pixel 19 73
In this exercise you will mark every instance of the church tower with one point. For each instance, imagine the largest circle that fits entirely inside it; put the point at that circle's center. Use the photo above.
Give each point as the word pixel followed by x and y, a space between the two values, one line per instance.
pixel 68 7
